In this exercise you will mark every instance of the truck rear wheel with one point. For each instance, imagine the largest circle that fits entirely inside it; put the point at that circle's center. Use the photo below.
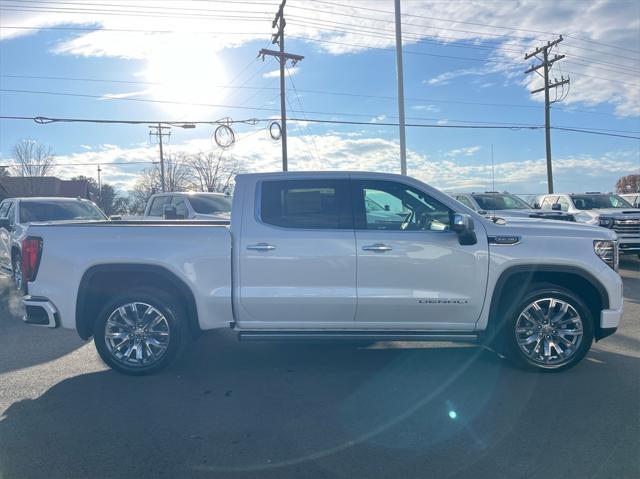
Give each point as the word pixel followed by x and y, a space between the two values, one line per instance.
pixel 550 329
pixel 18 278
pixel 139 332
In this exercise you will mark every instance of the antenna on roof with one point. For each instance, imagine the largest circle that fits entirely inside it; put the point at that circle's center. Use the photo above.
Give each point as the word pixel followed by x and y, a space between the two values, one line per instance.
pixel 493 172
pixel 493 181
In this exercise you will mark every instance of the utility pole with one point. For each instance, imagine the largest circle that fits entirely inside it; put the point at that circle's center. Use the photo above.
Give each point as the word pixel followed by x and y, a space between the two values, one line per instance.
pixel 278 39
pixel 158 131
pixel 400 73
pixel 546 64
pixel 99 187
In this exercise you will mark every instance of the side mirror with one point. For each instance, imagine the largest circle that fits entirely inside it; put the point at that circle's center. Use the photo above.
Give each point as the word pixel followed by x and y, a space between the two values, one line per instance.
pixel 556 207
pixel 115 218
pixel 169 212
pixel 464 227
pixel 4 223
pixel 483 212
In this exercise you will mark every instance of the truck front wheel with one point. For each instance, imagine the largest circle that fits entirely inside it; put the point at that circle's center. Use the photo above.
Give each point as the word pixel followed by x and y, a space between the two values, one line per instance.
pixel 139 332
pixel 551 329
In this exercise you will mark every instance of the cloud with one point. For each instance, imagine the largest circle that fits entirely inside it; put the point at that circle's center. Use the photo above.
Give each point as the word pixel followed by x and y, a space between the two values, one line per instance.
pixel 378 119
pixel 431 108
pixel 112 96
pixel 276 73
pixel 601 73
pixel 444 78
pixel 464 151
pixel 334 151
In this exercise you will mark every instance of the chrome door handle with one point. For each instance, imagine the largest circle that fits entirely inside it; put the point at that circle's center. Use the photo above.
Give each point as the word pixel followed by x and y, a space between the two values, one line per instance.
pixel 378 247
pixel 261 247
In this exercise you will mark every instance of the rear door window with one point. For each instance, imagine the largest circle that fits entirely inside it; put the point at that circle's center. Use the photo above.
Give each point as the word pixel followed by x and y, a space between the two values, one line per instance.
pixel 547 202
pixel 157 207
pixel 465 201
pixel 306 204
pixel 181 207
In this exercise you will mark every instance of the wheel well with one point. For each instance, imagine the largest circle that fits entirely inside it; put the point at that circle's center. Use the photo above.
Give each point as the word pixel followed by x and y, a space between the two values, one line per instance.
pixel 100 283
pixel 514 284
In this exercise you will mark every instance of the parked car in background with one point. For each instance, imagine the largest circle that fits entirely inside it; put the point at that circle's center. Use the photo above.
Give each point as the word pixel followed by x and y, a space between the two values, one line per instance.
pixel 607 210
pixel 632 198
pixel 189 206
pixel 17 213
pixel 493 203
pixel 330 256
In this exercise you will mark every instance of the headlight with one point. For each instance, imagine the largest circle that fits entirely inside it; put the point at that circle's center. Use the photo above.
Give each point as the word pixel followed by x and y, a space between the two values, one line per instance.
pixel 605 222
pixel 607 251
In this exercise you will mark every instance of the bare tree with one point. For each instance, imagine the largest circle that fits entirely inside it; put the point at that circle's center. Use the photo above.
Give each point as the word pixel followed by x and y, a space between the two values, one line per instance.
pixel 33 159
pixel 147 184
pixel 213 172
pixel 628 184
pixel 177 177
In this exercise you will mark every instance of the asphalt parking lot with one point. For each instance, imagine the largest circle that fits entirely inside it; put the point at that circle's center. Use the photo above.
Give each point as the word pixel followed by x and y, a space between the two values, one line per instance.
pixel 249 410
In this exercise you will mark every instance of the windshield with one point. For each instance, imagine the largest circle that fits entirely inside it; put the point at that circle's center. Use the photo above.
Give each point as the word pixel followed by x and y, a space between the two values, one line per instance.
pixel 492 201
pixel 590 202
pixel 210 204
pixel 32 211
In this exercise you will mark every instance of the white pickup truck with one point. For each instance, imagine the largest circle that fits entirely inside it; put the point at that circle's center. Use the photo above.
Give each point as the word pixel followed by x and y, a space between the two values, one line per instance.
pixel 328 256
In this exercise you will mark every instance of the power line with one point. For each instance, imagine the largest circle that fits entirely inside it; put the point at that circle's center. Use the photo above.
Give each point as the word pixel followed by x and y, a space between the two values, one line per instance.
pixel 94 164
pixel 315 146
pixel 253 121
pixel 141 13
pixel 282 57
pixel 312 91
pixel 513 29
pixel 546 65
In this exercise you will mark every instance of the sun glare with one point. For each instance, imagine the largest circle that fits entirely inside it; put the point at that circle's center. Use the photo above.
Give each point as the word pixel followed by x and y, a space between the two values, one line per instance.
pixel 186 75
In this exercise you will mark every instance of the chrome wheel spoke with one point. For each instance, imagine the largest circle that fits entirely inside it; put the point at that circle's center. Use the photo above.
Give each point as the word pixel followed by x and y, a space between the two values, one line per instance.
pixel 124 314
pixel 117 335
pixel 549 331
pixel 137 334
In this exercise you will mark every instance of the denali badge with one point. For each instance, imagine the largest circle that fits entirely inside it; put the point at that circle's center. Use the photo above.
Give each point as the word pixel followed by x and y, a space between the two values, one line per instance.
pixel 442 301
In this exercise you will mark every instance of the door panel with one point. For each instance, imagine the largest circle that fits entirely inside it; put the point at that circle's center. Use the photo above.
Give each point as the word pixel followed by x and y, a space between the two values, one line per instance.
pixel 415 273
pixel 297 259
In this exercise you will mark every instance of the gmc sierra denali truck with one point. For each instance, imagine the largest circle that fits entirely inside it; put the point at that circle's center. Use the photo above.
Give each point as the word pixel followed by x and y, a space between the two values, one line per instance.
pixel 603 209
pixel 328 256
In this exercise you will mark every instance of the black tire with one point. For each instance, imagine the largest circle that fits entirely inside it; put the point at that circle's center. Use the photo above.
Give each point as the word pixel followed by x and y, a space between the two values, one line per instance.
pixel 540 292
pixel 167 306
pixel 18 279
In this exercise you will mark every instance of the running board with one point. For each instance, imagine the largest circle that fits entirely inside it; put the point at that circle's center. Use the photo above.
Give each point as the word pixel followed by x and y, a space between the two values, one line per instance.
pixel 356 336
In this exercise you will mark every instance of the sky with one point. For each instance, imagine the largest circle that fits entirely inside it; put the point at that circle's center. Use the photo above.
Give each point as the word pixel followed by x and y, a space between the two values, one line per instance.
pixel 183 61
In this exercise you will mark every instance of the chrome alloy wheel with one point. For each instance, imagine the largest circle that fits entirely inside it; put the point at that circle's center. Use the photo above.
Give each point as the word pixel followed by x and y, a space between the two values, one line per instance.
pixel 137 334
pixel 549 331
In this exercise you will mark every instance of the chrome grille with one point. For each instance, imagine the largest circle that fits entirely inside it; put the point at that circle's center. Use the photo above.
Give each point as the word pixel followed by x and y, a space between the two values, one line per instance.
pixel 626 226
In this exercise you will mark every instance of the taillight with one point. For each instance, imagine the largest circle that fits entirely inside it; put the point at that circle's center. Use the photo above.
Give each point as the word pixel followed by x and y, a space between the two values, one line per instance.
pixel 31 254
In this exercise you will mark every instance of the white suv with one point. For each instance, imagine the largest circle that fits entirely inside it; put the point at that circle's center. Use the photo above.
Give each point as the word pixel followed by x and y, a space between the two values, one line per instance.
pixel 189 206
pixel 603 209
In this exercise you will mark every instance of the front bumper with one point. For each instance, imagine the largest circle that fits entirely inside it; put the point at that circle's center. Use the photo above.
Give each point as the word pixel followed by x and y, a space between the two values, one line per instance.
pixel 40 312
pixel 610 318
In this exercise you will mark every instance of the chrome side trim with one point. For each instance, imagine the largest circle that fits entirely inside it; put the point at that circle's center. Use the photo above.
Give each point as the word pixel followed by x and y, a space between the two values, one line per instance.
pixel 355 335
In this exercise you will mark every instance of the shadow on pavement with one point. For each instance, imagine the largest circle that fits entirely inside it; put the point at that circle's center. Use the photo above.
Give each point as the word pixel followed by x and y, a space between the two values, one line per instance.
pixel 273 410
pixel 23 346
